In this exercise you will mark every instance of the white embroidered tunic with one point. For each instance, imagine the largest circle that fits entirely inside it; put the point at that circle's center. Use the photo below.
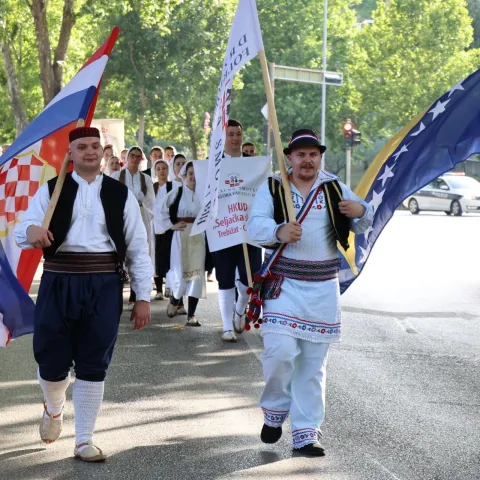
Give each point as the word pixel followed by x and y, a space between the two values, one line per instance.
pixel 305 309
pixel 134 184
pixel 189 206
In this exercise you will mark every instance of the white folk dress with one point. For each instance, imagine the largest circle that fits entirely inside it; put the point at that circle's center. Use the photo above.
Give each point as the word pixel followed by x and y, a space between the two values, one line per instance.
pixel 304 309
pixel 134 184
pixel 189 206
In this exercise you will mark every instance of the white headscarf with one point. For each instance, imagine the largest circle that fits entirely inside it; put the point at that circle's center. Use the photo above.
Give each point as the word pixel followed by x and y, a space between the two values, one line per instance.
pixel 154 174
pixel 143 162
pixel 173 177
pixel 107 170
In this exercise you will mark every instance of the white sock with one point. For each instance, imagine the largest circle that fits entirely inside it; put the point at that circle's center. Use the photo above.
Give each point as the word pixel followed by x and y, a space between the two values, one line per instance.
pixel 226 301
pixel 243 298
pixel 54 393
pixel 87 400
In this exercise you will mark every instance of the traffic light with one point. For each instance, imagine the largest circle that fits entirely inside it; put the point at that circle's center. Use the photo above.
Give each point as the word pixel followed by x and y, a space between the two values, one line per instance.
pixel 351 136
pixel 356 138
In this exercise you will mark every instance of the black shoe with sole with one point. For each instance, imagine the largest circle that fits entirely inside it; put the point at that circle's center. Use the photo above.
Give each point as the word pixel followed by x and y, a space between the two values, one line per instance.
pixel 270 434
pixel 314 449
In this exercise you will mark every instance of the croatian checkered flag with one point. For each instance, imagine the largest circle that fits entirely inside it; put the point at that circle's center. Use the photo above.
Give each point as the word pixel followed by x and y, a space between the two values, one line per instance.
pixel 35 157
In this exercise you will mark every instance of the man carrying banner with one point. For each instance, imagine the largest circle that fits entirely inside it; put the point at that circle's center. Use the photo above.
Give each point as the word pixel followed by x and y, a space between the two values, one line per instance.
pixel 301 311
pixel 228 260
pixel 96 226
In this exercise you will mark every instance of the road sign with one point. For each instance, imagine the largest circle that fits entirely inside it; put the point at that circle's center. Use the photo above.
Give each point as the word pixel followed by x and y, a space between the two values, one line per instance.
pixel 306 75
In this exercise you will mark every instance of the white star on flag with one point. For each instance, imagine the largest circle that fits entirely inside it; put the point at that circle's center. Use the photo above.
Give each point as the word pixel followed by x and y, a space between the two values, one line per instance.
pixel 377 199
pixel 367 232
pixel 420 130
pixel 404 149
pixel 438 109
pixel 365 253
pixel 458 86
pixel 387 173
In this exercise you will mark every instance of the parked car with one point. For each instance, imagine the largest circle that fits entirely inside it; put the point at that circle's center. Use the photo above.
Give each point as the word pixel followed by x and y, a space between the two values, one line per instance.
pixel 452 193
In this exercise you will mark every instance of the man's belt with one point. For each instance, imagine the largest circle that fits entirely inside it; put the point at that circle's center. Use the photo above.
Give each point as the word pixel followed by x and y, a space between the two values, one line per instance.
pixel 305 270
pixel 88 263
pixel 186 219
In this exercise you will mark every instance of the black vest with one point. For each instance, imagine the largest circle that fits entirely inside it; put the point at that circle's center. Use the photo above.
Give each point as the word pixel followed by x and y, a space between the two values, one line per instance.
pixel 156 187
pixel 333 195
pixel 113 196
pixel 173 210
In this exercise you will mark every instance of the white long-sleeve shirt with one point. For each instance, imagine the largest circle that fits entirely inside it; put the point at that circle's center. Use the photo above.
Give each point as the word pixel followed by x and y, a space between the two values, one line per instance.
pixel 134 184
pixel 304 309
pixel 88 230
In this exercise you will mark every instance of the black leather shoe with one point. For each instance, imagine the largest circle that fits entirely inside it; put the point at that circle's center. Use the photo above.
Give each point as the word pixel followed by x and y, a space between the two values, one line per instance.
pixel 314 449
pixel 270 434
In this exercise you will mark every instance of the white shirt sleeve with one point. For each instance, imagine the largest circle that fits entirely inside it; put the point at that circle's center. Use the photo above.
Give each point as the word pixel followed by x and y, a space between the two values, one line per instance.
pixel 261 225
pixel 149 199
pixel 138 261
pixel 358 225
pixel 162 220
pixel 33 216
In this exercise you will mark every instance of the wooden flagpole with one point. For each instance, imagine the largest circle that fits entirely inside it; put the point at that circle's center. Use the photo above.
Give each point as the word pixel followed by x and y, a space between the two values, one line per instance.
pixel 59 185
pixel 272 114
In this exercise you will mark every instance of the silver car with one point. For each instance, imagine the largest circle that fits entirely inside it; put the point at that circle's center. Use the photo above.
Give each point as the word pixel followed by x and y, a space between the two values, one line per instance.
pixel 452 193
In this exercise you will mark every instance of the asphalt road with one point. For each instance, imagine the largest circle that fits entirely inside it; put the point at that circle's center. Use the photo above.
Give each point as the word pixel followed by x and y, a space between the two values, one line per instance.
pixel 403 389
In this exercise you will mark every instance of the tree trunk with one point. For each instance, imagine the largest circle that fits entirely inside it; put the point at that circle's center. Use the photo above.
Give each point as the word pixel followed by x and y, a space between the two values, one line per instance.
pixel 14 89
pixel 141 122
pixel 68 21
pixel 39 12
pixel 191 134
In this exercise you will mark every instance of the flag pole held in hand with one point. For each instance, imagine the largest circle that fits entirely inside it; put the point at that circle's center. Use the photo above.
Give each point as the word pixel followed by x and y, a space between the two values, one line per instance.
pixel 59 185
pixel 272 113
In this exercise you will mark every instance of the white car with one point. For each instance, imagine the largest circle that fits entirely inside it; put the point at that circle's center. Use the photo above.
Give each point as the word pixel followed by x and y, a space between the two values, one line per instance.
pixel 452 193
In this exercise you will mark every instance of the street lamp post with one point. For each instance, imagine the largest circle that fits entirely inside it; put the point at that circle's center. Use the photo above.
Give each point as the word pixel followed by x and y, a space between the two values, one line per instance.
pixel 324 84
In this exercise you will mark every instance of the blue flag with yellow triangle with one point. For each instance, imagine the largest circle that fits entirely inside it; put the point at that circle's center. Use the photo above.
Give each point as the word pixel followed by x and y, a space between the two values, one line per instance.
pixel 445 134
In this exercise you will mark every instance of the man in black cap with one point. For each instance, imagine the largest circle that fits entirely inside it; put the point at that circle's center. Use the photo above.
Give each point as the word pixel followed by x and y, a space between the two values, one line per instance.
pixel 95 228
pixel 301 311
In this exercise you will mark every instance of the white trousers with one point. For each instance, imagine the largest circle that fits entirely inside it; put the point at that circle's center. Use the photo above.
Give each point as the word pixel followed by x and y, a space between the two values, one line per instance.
pixel 295 377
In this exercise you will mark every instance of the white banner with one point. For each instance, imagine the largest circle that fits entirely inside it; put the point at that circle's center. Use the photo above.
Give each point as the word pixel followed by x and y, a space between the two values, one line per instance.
pixel 240 178
pixel 244 44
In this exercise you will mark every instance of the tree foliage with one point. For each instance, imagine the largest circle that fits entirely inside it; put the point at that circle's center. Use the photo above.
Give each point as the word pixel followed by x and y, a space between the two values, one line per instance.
pixel 164 71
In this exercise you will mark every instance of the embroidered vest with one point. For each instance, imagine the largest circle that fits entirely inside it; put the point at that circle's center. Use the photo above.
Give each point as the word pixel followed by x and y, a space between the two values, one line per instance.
pixel 143 183
pixel 156 187
pixel 113 196
pixel 333 195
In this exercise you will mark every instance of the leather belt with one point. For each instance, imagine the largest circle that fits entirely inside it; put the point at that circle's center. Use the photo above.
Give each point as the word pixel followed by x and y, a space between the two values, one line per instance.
pixel 186 219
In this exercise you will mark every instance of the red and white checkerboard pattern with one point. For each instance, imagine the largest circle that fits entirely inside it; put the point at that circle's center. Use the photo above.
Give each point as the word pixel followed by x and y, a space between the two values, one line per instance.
pixel 19 181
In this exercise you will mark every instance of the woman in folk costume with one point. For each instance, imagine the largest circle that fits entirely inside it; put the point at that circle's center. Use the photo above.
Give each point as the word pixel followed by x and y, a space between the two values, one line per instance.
pixel 163 241
pixel 113 165
pixel 187 260
pixel 141 186
pixel 176 166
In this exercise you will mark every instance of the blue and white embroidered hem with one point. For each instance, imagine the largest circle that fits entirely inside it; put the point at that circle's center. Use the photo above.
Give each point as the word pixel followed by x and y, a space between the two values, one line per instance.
pixel 305 436
pixel 274 418
pixel 306 310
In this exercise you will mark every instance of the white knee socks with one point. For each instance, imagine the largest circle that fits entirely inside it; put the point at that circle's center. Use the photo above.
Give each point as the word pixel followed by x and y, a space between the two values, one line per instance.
pixel 226 301
pixel 54 393
pixel 87 400
pixel 243 298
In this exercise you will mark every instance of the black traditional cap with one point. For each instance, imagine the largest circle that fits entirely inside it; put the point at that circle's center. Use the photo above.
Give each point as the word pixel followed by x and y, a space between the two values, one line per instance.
pixel 304 138
pixel 82 132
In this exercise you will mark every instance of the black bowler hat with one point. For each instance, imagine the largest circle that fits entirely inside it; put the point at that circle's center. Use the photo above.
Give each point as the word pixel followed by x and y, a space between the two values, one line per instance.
pixel 304 138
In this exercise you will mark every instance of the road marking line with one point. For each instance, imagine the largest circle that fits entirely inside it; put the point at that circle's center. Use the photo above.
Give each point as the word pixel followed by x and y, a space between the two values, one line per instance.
pixel 406 325
pixel 385 469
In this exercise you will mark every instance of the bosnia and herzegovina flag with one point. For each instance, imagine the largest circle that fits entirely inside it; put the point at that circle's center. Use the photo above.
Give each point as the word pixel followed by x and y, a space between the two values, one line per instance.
pixel 445 134
pixel 33 158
